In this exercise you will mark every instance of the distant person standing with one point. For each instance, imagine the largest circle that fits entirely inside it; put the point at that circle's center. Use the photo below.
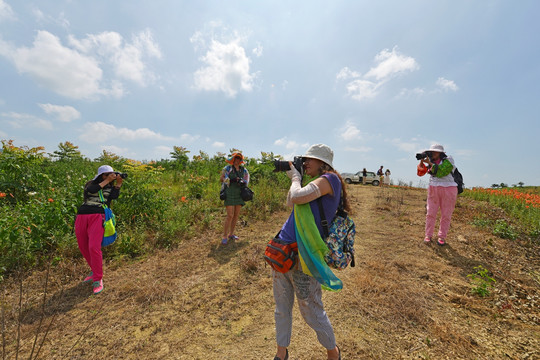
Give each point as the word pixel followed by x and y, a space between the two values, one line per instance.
pixel 381 175
pixel 387 177
pixel 234 176
pixel 364 176
pixel 442 191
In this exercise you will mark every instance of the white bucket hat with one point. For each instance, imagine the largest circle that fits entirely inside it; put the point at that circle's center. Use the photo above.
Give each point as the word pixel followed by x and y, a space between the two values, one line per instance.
pixel 321 152
pixel 103 169
pixel 436 148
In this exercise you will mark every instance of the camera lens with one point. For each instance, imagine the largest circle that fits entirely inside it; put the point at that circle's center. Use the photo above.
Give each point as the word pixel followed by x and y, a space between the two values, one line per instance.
pixel 280 165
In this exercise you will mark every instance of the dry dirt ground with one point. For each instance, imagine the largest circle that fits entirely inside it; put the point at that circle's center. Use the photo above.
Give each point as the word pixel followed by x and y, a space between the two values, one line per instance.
pixel 403 300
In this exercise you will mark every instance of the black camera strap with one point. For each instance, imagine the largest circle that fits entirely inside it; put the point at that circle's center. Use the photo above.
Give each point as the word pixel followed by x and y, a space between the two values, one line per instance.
pixel 340 211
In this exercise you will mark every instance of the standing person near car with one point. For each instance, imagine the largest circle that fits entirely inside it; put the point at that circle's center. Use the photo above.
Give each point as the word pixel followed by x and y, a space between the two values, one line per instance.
pixel 442 191
pixel 89 228
pixel 381 175
pixel 364 176
pixel 387 174
pixel 234 176
pixel 329 186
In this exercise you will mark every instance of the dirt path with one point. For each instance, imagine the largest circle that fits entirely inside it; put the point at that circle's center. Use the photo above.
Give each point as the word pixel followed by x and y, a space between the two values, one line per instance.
pixel 403 300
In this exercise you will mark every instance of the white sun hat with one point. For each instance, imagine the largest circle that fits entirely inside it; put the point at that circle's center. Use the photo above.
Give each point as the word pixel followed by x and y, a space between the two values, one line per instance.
pixel 321 152
pixel 436 148
pixel 103 169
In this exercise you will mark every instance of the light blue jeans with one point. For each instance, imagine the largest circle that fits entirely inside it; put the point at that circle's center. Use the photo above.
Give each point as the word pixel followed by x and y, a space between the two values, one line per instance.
pixel 309 296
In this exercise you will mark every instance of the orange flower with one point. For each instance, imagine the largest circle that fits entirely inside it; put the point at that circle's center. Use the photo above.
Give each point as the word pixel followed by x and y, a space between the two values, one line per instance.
pixel 51 200
pixel 183 199
pixel 2 195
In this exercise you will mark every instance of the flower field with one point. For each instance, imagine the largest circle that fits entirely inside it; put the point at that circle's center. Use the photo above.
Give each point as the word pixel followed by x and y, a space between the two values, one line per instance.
pixel 521 204
pixel 161 202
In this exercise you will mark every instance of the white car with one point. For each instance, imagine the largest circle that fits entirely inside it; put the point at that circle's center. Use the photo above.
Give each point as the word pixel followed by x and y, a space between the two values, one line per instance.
pixel 371 178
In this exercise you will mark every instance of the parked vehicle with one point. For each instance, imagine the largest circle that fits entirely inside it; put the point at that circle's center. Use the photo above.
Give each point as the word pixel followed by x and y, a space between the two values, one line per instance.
pixel 371 178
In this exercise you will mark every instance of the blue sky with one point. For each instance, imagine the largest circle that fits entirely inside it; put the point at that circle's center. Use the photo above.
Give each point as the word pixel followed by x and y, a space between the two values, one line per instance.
pixel 376 81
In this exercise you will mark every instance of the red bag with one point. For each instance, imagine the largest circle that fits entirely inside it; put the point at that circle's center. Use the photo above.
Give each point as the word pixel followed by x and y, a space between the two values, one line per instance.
pixel 281 256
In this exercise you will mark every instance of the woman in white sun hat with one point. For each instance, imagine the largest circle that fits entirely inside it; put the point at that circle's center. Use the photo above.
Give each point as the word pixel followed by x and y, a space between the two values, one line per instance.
pixel 89 221
pixel 442 191
pixel 330 188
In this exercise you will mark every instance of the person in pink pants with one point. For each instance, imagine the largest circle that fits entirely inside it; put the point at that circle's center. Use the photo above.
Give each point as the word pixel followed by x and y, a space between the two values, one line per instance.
pixel 442 191
pixel 89 221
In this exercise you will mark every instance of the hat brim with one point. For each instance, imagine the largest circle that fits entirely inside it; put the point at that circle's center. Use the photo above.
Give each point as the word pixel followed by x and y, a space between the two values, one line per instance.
pixel 318 158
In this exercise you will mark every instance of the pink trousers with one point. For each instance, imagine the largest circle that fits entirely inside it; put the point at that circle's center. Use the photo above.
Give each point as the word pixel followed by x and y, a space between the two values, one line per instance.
pixel 444 198
pixel 89 232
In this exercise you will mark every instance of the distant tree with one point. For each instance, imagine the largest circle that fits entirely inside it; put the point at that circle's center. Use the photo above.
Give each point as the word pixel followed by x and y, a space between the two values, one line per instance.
pixel 503 185
pixel 67 151
pixel 521 183
pixel 494 186
pixel 179 154
pixel 110 158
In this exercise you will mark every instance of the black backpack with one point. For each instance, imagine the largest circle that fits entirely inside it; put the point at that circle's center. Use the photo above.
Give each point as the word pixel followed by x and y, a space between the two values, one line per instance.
pixel 458 178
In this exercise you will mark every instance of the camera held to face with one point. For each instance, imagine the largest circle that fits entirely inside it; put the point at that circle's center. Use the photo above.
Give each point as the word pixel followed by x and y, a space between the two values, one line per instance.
pixel 122 175
pixel 298 164
pixel 423 155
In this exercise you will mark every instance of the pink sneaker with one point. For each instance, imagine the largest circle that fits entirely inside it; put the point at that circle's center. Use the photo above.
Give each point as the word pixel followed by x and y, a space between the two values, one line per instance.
pixel 88 278
pixel 427 240
pixel 98 286
pixel 441 241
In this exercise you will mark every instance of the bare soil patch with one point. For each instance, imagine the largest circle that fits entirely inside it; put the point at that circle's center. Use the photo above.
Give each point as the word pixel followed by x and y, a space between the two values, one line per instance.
pixel 403 300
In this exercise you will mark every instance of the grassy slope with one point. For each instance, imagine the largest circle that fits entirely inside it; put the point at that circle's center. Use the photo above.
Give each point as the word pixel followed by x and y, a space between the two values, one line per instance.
pixel 403 299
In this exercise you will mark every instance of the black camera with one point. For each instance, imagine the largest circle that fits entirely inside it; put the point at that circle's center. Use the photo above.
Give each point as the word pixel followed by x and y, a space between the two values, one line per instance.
pixel 423 155
pixel 298 164
pixel 122 175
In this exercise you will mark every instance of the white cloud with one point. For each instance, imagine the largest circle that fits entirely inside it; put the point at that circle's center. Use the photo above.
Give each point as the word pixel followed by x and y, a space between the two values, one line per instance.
pixel 188 138
pixel 389 64
pixel 258 51
pixel 118 150
pixel 346 74
pixel 226 69
pixel 61 69
pixel 407 93
pixel 218 144
pixel 44 19
pixel 446 85
pixel 6 13
pixel 126 58
pixel 63 113
pixel 20 120
pixel 350 132
pixel 362 89
pixel 100 132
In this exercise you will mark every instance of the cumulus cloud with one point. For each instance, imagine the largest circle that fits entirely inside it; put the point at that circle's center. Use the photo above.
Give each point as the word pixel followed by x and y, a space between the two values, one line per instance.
pixel 6 13
pixel 389 64
pixel 350 132
pixel 125 57
pixel 218 144
pixel 63 113
pixel 76 70
pixel 20 121
pixel 100 132
pixel 446 85
pixel 409 146
pixel 226 65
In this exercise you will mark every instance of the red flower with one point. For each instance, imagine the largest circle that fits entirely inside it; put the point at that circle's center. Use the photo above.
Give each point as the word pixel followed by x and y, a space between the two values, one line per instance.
pixel 2 194
pixel 51 200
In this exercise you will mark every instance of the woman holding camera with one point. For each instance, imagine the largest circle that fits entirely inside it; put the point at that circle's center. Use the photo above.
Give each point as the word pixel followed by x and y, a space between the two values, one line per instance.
pixel 89 221
pixel 234 177
pixel 442 190
pixel 329 186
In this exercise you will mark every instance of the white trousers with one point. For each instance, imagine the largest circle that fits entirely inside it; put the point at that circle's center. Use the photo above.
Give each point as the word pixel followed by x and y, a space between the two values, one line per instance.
pixel 309 296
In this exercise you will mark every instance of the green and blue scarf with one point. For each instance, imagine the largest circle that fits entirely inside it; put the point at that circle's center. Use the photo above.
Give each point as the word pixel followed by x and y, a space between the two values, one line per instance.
pixel 312 248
